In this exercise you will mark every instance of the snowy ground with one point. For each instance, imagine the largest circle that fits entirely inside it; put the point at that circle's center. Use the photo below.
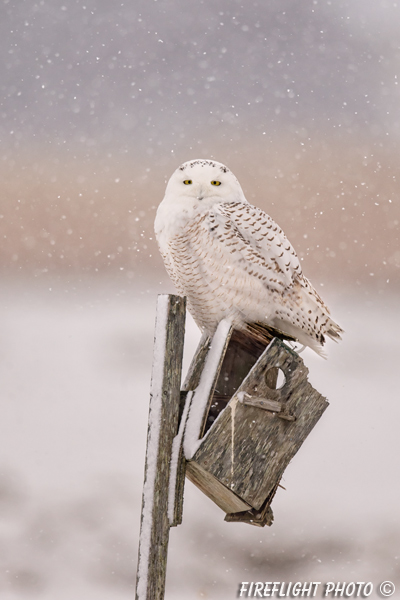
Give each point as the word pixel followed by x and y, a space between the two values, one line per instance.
pixel 75 370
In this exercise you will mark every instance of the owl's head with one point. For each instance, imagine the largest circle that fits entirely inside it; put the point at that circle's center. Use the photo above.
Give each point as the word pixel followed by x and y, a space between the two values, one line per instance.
pixel 205 180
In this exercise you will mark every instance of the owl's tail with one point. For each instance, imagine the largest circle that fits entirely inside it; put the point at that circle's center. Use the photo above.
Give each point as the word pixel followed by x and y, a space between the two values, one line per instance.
pixel 312 322
pixel 334 331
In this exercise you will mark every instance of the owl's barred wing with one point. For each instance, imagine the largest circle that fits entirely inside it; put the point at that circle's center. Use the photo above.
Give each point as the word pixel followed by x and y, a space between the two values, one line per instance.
pixel 256 243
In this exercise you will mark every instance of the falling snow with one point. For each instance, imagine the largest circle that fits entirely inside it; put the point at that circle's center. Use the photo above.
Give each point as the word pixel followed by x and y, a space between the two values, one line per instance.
pixel 99 103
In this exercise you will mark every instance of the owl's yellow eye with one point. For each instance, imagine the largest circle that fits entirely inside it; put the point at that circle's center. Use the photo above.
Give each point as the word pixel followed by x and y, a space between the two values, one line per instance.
pixel 187 181
pixel 215 183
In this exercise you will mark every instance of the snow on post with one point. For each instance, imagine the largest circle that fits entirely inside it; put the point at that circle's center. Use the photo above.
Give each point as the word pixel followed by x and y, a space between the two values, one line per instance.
pixel 176 457
pixel 162 429
pixel 204 389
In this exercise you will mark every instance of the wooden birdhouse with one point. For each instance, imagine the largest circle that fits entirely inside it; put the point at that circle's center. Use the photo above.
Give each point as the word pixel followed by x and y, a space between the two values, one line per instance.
pixel 258 408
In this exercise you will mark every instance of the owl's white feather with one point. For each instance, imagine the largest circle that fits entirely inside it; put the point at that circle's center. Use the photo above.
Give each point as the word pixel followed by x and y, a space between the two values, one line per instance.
pixel 232 260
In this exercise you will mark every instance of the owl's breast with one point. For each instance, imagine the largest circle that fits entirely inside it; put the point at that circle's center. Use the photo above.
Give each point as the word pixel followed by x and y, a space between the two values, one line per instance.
pixel 205 271
pixel 173 219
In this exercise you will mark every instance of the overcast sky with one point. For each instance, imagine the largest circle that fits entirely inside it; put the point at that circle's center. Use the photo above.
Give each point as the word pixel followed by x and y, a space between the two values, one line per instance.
pixel 159 74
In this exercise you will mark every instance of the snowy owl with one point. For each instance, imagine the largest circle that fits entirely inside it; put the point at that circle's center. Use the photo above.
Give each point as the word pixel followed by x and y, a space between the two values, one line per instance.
pixel 232 261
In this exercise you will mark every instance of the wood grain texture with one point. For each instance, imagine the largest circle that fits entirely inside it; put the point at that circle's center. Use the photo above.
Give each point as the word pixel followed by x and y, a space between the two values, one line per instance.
pixel 214 489
pixel 241 355
pixel 192 378
pixel 191 382
pixel 259 518
pixel 247 449
pixel 265 403
pixel 153 551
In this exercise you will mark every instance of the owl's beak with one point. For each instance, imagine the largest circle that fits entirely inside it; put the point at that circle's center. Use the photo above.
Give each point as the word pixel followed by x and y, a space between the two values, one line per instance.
pixel 200 195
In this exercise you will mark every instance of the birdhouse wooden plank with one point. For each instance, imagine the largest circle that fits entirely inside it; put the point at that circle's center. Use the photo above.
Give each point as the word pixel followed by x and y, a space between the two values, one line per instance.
pixel 248 445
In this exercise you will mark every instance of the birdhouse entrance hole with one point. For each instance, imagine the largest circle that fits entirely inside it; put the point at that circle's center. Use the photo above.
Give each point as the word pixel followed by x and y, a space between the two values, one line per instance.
pixel 275 378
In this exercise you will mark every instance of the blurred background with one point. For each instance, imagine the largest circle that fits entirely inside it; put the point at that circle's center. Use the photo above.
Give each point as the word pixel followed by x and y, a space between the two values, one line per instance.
pixel 100 101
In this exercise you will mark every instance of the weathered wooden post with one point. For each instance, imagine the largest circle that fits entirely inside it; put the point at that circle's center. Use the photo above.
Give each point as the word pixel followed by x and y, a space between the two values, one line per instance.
pixel 162 429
